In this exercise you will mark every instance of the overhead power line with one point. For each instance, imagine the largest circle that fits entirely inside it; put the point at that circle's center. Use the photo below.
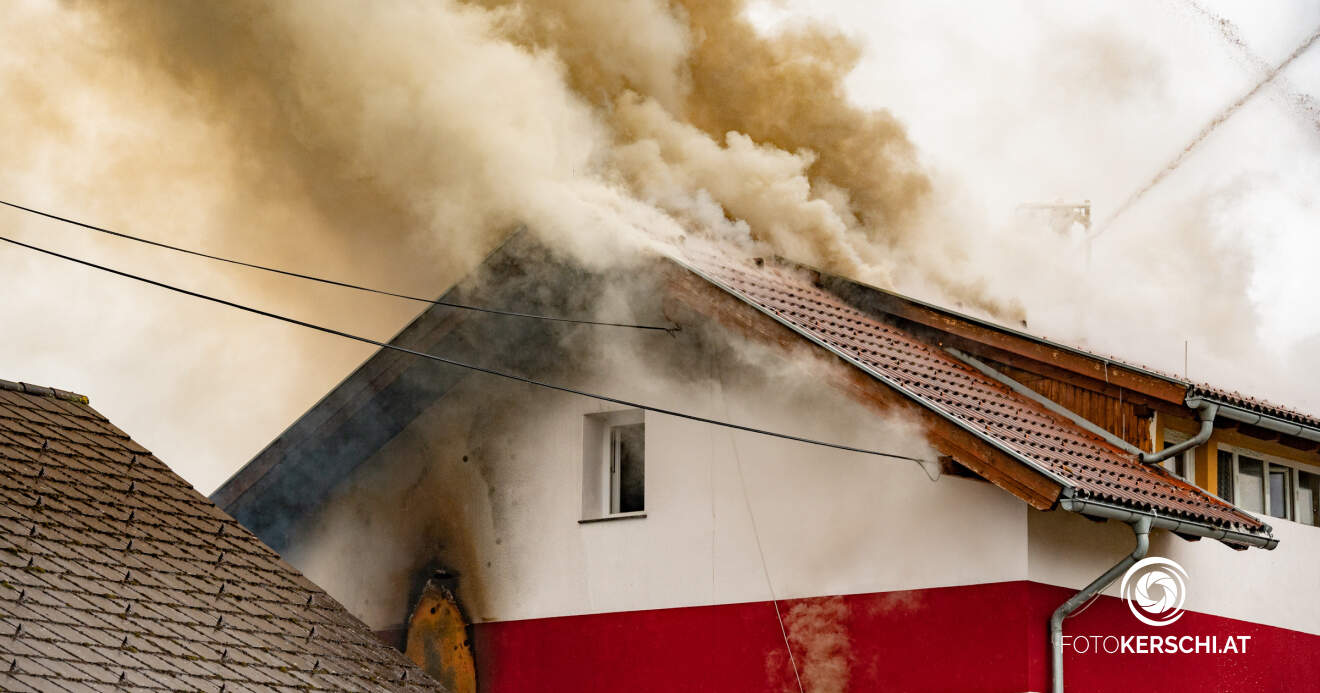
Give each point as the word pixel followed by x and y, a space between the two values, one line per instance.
pixel 323 280
pixel 454 362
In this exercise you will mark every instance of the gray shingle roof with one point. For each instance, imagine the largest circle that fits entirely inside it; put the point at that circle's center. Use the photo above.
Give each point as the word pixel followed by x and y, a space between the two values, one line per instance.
pixel 116 574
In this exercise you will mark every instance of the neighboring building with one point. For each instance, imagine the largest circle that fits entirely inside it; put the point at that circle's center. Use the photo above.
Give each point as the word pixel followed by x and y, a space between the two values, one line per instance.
pixel 599 548
pixel 116 575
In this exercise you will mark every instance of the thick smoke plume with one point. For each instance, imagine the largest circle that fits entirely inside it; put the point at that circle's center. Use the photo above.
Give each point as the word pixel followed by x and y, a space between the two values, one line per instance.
pixel 452 121
pixel 397 143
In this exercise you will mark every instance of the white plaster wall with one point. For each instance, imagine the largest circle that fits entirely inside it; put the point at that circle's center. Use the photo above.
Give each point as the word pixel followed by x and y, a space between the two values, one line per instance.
pixel 830 522
pixel 1269 587
pixel 488 481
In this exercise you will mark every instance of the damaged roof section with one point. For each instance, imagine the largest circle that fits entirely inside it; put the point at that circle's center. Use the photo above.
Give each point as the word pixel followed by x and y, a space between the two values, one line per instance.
pixel 116 574
pixel 1084 465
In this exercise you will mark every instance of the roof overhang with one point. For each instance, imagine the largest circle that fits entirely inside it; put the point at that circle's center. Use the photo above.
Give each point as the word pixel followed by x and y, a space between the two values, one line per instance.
pixel 1108 511
pixel 1069 497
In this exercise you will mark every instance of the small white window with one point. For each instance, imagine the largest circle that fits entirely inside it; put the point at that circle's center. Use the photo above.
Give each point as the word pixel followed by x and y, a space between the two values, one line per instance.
pixel 614 465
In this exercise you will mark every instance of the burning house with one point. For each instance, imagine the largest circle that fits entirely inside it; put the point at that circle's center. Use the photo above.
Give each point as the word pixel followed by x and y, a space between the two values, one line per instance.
pixel 115 574
pixel 512 537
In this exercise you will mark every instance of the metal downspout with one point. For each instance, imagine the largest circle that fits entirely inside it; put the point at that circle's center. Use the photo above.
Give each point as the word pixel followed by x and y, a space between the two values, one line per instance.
pixel 1141 528
pixel 1205 411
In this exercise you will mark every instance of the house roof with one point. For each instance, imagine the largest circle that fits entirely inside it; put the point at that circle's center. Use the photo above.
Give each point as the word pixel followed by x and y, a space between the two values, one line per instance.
pixel 1260 406
pixel 1184 388
pixel 927 374
pixel 116 574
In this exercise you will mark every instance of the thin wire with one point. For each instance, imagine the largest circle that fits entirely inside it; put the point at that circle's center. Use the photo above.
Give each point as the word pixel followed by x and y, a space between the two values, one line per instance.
pixel 322 280
pixel 756 535
pixel 453 362
pixel 1087 605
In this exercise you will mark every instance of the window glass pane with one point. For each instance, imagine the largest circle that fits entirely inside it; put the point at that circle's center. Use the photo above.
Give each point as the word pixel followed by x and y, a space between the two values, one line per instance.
pixel 1250 486
pixel 1279 491
pixel 1308 495
pixel 628 447
pixel 1182 468
pixel 1226 475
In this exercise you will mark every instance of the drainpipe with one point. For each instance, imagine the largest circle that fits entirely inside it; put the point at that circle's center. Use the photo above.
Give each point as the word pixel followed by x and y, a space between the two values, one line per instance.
pixel 1205 411
pixel 1141 528
pixel 1265 421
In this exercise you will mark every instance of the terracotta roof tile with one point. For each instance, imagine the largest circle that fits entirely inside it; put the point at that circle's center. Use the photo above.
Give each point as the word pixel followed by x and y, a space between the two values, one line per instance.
pixel 112 567
pixel 928 374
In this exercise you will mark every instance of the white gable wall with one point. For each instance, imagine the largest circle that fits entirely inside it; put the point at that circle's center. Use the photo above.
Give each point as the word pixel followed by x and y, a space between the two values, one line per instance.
pixel 507 520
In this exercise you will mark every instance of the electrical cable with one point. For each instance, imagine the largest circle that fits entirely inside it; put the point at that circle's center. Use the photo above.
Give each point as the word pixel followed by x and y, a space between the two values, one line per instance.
pixel 453 362
pixel 756 535
pixel 323 280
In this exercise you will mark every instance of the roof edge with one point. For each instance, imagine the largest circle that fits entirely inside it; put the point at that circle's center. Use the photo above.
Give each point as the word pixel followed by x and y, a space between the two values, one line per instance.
pixel 998 445
pixel 1269 417
pixel 1232 537
pixel 43 391
pixel 234 488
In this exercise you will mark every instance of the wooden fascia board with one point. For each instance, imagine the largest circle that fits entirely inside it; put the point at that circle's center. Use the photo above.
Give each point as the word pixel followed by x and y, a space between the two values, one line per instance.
pixel 1046 370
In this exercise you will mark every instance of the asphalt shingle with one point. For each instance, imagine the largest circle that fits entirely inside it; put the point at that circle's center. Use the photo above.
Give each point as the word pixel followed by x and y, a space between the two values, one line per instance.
pixel 116 574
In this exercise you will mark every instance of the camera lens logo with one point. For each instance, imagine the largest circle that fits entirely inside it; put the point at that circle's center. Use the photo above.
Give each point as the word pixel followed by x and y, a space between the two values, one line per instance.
pixel 1154 590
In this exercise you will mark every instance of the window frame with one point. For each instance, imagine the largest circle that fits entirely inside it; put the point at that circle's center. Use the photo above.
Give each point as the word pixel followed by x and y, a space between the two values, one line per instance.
pixel 1188 457
pixel 1269 462
pixel 599 479
pixel 1315 497
pixel 614 455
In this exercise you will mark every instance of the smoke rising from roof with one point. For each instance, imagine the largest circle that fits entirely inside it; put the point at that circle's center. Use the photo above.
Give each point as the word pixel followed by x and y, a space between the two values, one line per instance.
pixel 395 143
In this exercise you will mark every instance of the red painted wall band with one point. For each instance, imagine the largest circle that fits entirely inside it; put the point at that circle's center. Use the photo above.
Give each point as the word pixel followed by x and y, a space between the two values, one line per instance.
pixel 989 638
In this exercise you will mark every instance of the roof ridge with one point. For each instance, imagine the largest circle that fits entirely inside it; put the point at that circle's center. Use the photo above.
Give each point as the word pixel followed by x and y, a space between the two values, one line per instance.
pixel 43 391
pixel 1085 350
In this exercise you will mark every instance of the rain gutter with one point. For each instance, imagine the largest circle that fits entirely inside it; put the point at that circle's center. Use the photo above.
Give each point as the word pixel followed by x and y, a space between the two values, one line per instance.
pixel 1246 416
pixel 1096 508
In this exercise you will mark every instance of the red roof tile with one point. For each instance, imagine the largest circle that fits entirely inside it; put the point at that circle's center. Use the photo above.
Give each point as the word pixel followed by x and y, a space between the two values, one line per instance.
pixel 966 397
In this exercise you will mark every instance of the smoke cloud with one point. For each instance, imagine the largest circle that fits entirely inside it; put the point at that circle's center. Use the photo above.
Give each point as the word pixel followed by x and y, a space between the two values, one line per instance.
pixel 397 143
pixel 818 631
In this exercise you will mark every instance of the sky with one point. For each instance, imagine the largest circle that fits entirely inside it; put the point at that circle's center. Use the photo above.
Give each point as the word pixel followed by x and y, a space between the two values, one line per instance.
pixel 1037 102
pixel 1006 103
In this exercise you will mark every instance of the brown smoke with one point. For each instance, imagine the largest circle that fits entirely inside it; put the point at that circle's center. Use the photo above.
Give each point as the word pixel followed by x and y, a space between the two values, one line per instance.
pixel 396 143
pixel 818 632
pixel 351 115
